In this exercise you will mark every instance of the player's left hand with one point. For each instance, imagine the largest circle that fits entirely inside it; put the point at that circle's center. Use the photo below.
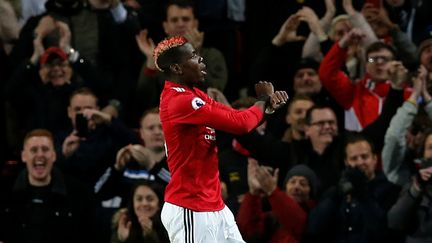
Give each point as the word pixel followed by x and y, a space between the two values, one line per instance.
pixel 278 99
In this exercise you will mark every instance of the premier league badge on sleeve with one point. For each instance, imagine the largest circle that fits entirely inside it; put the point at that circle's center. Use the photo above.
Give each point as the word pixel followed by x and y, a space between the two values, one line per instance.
pixel 197 103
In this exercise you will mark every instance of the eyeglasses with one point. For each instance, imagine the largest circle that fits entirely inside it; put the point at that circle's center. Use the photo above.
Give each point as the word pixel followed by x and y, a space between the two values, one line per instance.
pixel 379 59
pixel 322 123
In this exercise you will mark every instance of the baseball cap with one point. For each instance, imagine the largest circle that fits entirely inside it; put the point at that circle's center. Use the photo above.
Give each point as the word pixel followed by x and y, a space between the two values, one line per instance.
pixel 51 54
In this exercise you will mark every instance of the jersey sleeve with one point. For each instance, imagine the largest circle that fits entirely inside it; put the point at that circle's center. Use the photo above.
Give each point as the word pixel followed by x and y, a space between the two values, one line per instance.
pixel 187 108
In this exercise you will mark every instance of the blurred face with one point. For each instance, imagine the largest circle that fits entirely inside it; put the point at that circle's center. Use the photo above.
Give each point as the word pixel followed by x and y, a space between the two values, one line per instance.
pixel 145 201
pixel 193 69
pixel 427 154
pixel 297 113
pixel 298 188
pixel 323 126
pixel 78 104
pixel 414 140
pixel 377 65
pixel 340 29
pixel 381 29
pixel 360 155
pixel 151 131
pixel 306 81
pixel 426 58
pixel 395 3
pixel 56 72
pixel 39 155
pixel 179 21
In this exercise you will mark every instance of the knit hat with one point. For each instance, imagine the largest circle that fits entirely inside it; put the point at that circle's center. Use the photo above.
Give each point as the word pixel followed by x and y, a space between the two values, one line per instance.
pixel 307 63
pixel 303 170
pixel 52 53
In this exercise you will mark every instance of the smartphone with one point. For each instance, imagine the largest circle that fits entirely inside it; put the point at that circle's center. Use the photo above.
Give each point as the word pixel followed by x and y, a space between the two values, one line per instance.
pixel 375 3
pixel 81 125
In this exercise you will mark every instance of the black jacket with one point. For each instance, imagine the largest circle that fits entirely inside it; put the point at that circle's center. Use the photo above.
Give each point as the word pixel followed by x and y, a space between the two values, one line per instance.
pixel 60 212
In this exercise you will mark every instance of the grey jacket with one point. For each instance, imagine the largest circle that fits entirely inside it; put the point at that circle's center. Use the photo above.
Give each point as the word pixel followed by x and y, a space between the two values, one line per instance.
pixel 395 147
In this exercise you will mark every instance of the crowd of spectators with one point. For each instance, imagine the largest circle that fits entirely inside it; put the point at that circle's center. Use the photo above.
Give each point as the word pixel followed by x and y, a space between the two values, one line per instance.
pixel 349 159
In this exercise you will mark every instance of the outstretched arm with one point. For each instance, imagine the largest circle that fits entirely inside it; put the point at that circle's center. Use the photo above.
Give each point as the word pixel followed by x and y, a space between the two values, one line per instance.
pixel 202 110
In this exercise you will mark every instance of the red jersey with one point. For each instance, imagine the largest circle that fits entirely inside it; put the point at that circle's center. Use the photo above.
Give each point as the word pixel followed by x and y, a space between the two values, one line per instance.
pixel 189 119
pixel 362 100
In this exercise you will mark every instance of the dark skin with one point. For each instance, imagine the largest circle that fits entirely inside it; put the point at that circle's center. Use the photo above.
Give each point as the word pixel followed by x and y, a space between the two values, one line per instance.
pixel 192 70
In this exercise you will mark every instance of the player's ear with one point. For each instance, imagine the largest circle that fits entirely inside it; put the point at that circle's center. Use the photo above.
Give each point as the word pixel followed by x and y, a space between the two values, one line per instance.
pixel 176 69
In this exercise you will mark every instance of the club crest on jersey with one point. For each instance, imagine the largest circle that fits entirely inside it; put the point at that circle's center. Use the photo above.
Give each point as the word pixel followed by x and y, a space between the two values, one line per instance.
pixel 197 103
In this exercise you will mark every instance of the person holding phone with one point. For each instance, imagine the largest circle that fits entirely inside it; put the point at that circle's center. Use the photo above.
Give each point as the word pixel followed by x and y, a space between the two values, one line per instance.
pixel 81 125
pixel 39 88
pixel 89 146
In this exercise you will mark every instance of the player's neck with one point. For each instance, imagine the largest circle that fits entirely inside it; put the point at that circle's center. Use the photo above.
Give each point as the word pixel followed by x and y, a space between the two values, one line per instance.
pixel 181 82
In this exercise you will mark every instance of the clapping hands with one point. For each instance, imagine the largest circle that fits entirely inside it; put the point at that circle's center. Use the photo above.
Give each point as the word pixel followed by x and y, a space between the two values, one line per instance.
pixel 195 37
pixel 262 180
pixel 147 46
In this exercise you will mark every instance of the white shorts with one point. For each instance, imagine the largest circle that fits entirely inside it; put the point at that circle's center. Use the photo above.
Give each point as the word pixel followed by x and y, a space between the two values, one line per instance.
pixel 186 226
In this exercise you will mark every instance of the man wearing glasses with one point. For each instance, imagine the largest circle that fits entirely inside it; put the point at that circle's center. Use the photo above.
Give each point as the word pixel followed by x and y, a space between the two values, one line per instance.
pixel 362 99
pixel 322 148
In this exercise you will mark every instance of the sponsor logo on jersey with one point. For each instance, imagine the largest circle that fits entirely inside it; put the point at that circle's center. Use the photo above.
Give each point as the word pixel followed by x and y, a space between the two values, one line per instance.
pixel 197 103
pixel 211 134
